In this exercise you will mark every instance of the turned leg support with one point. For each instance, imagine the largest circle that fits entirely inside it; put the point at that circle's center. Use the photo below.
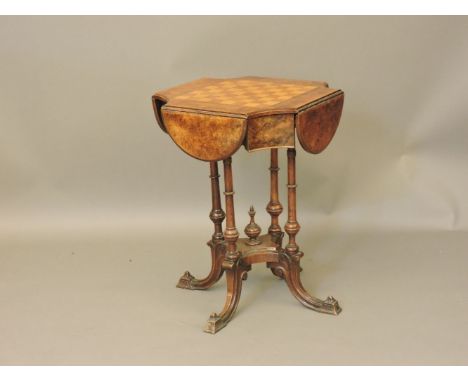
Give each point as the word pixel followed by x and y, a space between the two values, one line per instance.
pixel 292 227
pixel 235 270
pixel 187 281
pixel 288 266
pixel 274 207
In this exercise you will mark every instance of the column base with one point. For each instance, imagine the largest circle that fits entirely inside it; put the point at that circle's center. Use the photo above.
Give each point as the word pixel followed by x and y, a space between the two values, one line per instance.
pixel 270 251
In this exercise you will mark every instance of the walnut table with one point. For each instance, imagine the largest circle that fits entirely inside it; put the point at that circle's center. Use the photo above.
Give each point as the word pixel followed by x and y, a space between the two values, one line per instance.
pixel 210 119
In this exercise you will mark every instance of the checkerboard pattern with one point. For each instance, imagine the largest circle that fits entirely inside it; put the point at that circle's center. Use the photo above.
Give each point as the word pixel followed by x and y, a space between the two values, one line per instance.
pixel 246 93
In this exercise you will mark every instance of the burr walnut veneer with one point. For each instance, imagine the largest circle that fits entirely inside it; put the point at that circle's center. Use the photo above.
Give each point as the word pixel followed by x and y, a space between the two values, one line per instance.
pixel 210 119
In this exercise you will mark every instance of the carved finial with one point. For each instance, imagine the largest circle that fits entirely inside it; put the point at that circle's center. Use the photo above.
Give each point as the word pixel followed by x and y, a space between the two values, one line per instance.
pixel 252 230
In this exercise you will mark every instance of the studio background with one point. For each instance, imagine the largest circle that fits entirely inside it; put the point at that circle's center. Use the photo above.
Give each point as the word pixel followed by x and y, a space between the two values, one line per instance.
pixel 100 213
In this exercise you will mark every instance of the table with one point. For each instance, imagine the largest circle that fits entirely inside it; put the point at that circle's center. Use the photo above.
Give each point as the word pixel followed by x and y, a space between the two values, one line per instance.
pixel 210 119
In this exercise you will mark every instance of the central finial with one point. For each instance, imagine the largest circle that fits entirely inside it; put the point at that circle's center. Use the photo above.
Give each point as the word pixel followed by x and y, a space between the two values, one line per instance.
pixel 252 230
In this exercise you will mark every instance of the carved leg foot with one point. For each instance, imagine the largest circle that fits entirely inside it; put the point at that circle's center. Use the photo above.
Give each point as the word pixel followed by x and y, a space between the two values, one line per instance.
pixel 187 281
pixel 289 269
pixel 235 273
pixel 277 272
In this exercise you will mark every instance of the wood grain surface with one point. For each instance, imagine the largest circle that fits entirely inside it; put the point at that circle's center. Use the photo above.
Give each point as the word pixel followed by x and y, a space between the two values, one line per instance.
pixel 211 118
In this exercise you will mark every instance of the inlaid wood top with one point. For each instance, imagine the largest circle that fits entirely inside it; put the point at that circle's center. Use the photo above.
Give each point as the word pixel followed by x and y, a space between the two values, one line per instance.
pixel 245 96
pixel 210 118
pixel 246 93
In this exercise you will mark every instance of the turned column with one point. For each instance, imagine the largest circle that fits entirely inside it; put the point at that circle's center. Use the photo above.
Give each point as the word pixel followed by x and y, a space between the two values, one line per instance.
pixel 292 227
pixel 217 214
pixel 230 233
pixel 274 207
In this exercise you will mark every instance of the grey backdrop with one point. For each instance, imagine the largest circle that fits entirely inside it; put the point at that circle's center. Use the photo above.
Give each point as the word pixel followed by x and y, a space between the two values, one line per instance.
pixel 82 161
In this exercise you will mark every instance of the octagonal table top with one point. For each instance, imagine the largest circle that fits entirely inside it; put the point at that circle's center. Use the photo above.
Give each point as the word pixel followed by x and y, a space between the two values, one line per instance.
pixel 210 118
